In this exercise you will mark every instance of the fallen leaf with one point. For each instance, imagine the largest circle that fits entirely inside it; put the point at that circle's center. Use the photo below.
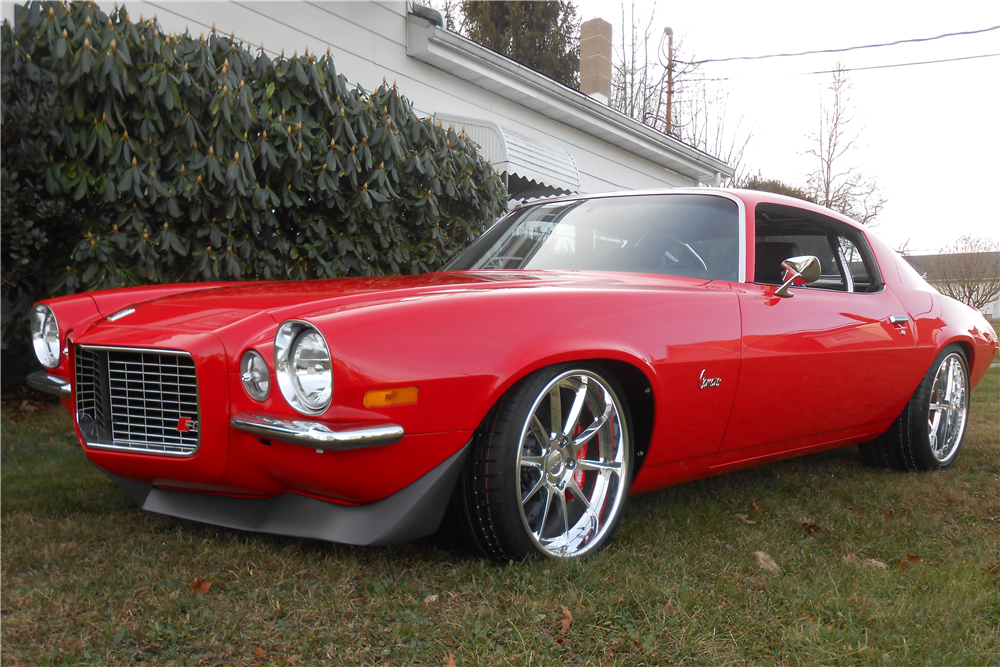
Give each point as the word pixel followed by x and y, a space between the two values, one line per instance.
pixel 451 660
pixel 744 518
pixel 905 564
pixel 567 619
pixel 753 505
pixel 807 525
pixel 28 406
pixel 848 558
pixel 766 562
pixel 621 600
pixel 993 571
pixel 258 651
pixel 889 513
pixel 872 562
pixel 670 608
pixel 730 547
pixel 431 599
pixel 200 585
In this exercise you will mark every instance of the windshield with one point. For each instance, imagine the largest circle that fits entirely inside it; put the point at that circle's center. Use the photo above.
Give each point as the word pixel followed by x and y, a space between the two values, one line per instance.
pixel 679 235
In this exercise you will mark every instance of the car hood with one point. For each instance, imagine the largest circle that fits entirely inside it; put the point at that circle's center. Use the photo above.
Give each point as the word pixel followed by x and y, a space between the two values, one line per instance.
pixel 213 309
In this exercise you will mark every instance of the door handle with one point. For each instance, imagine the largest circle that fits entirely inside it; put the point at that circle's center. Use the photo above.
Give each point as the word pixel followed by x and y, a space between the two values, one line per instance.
pixel 900 321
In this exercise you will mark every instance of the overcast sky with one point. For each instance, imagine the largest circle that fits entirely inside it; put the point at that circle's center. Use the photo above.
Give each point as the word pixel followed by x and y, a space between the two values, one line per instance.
pixel 930 134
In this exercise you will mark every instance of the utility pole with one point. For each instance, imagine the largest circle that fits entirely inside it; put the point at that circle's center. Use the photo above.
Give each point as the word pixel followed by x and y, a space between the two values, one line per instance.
pixel 670 77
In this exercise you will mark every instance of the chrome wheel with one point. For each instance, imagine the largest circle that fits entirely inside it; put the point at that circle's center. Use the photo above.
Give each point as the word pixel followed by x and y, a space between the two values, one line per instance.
pixel 573 464
pixel 949 408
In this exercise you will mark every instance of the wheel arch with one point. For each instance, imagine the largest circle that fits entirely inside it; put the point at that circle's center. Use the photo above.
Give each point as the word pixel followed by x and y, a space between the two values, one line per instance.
pixel 632 373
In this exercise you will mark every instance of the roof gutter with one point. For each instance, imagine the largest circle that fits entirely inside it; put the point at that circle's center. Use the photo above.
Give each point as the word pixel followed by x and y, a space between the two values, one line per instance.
pixel 487 69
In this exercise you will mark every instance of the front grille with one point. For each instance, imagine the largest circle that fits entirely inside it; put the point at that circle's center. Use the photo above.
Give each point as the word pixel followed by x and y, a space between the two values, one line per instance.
pixel 143 401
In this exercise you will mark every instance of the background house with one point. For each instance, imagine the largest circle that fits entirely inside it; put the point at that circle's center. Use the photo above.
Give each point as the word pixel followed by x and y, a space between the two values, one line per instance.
pixel 969 271
pixel 544 137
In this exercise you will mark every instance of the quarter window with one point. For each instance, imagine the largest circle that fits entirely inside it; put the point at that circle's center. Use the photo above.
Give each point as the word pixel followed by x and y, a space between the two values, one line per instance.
pixel 781 232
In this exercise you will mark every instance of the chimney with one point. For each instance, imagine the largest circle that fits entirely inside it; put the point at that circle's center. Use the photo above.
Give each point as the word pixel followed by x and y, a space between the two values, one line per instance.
pixel 595 60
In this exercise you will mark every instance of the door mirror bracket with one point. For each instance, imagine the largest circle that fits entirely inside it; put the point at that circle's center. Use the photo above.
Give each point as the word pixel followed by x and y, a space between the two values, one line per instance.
pixel 798 271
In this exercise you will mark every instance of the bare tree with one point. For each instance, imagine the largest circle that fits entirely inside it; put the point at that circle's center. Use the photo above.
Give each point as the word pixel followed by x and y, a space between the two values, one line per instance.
pixel 835 183
pixel 967 270
pixel 690 111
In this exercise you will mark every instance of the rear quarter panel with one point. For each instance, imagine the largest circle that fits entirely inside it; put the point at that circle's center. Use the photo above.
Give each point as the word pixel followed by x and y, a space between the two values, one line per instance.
pixel 938 320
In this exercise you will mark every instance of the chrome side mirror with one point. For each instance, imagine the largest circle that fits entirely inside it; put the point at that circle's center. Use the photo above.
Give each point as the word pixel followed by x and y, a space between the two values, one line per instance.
pixel 798 271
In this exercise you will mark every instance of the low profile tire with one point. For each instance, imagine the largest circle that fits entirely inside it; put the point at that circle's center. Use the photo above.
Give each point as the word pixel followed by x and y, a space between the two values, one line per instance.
pixel 928 433
pixel 550 467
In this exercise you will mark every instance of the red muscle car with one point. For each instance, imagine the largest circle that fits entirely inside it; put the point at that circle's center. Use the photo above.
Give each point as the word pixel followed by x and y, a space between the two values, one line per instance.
pixel 581 350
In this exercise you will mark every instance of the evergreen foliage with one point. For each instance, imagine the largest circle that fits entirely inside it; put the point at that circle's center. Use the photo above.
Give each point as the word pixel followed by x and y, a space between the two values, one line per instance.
pixel 131 156
pixel 545 36
pixel 775 186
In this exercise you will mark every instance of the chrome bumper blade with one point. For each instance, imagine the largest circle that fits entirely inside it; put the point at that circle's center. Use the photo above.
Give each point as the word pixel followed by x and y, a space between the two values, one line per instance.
pixel 42 381
pixel 315 434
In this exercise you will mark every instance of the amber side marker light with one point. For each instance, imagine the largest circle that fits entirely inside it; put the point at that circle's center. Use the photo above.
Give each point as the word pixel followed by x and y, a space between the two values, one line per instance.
pixel 381 398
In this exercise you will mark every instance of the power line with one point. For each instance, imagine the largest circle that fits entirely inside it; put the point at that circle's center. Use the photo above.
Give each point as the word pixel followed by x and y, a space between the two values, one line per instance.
pixel 925 62
pixel 849 48
pixel 851 69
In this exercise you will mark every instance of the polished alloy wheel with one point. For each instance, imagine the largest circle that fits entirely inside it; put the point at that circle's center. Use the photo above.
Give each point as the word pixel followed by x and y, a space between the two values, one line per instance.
pixel 573 462
pixel 949 407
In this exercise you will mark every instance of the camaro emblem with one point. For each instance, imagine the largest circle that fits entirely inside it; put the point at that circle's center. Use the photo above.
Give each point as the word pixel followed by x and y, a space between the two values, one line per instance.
pixel 704 382
pixel 187 424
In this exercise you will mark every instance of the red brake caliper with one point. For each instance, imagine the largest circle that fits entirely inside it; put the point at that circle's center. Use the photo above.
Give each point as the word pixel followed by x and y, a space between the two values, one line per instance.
pixel 582 454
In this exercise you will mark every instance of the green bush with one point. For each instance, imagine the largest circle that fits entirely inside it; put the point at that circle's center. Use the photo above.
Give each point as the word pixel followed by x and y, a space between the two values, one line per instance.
pixel 131 156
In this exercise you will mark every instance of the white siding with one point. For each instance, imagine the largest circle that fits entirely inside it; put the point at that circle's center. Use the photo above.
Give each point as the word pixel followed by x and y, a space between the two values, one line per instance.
pixel 368 42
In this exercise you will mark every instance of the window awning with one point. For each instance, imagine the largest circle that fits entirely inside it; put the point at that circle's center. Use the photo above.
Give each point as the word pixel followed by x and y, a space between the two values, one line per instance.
pixel 532 167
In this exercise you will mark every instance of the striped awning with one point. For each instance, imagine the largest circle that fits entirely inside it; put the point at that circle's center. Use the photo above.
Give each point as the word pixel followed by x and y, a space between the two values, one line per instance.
pixel 546 169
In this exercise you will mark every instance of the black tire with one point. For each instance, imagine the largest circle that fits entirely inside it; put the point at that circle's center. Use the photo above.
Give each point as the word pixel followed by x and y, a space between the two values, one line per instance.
pixel 914 441
pixel 526 493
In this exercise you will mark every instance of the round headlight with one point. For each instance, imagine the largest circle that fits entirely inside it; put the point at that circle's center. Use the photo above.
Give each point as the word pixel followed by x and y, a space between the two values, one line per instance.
pixel 255 376
pixel 302 366
pixel 45 335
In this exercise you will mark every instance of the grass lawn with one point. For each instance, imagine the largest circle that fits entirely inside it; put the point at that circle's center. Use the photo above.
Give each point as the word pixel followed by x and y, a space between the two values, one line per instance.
pixel 89 579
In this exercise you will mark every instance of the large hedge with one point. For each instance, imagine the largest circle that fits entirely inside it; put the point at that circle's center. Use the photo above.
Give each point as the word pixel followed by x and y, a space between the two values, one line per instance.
pixel 131 156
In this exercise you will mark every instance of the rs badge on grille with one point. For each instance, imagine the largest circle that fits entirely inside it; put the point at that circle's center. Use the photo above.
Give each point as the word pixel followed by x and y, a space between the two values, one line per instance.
pixel 187 424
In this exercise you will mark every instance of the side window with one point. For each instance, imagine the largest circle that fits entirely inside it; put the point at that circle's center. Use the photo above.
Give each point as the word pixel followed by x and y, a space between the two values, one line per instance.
pixel 860 278
pixel 782 232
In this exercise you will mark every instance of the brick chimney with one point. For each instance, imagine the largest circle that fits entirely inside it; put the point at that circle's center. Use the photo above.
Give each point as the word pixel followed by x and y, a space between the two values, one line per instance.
pixel 595 60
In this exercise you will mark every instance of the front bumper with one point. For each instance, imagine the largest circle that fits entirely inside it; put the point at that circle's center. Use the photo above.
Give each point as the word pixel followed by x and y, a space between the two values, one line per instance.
pixel 315 434
pixel 413 512
pixel 42 381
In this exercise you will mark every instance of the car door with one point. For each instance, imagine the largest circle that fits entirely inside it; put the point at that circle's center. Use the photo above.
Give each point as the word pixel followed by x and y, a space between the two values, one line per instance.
pixel 818 367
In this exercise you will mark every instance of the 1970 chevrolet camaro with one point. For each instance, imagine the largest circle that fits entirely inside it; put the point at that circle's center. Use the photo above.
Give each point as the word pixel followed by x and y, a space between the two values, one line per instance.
pixel 581 350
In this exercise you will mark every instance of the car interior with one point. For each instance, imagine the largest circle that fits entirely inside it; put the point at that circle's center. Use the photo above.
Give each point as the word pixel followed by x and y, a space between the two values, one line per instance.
pixel 782 232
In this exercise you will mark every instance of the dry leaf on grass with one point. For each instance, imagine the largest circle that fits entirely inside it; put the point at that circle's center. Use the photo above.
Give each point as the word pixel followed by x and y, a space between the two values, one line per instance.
pixel 567 619
pixel 258 651
pixel 431 599
pixel 993 571
pixel 200 585
pixel 872 562
pixel 766 562
pixel 905 564
pixel 849 557
pixel 807 525
pixel 28 406
pixel 451 660
pixel 744 518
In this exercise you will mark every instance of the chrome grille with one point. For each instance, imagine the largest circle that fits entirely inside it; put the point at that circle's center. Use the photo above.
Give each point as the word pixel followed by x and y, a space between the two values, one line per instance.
pixel 137 400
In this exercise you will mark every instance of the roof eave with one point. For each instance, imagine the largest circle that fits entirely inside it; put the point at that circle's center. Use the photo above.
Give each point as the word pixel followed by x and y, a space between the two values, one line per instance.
pixel 487 69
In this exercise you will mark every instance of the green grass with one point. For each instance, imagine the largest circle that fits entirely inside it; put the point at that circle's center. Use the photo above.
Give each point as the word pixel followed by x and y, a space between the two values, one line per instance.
pixel 89 579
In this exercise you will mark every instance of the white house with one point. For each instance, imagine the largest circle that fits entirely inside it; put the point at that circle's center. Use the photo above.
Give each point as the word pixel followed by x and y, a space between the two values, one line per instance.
pixel 543 136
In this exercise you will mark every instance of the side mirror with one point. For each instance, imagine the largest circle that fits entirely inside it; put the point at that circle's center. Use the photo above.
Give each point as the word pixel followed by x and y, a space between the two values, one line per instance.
pixel 798 271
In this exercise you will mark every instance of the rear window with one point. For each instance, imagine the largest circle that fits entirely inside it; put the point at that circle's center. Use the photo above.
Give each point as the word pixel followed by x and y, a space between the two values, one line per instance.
pixel 681 235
